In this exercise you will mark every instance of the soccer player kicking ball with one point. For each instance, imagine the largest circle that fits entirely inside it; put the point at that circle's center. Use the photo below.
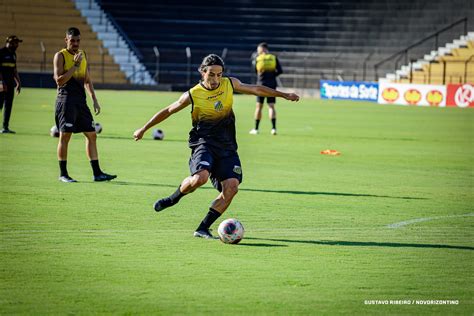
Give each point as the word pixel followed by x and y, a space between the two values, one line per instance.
pixel 212 138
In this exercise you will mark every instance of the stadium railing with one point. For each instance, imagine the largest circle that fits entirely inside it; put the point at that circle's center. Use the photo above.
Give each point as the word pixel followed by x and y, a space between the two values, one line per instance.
pixel 405 52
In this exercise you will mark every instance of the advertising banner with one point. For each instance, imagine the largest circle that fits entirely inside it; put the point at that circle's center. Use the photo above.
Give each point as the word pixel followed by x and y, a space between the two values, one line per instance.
pixel 412 94
pixel 460 95
pixel 349 90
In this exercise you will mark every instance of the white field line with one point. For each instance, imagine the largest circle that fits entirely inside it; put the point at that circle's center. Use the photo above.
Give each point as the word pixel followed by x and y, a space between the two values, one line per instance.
pixel 425 219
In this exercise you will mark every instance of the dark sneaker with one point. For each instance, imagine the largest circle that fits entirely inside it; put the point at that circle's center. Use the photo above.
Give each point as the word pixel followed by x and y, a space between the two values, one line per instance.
pixel 104 177
pixel 162 204
pixel 204 233
pixel 8 131
pixel 66 179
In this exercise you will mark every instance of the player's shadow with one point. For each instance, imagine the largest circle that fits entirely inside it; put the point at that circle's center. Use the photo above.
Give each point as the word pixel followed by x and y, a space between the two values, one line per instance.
pixel 277 191
pixel 331 193
pixel 102 136
pixel 143 139
pixel 361 243
pixel 260 244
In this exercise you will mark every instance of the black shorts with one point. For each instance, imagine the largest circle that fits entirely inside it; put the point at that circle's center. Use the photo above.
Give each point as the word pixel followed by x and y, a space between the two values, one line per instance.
pixel 222 164
pixel 73 117
pixel 269 99
pixel 272 85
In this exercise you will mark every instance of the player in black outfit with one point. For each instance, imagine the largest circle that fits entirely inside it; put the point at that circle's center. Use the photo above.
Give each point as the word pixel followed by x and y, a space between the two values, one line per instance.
pixel 268 68
pixel 8 78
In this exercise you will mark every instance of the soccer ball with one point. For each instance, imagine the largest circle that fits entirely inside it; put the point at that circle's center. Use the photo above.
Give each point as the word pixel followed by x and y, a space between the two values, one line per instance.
pixel 54 132
pixel 158 134
pixel 98 128
pixel 231 231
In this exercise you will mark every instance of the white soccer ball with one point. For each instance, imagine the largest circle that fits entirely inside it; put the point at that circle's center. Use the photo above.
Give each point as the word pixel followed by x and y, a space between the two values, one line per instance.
pixel 231 231
pixel 54 132
pixel 158 134
pixel 98 128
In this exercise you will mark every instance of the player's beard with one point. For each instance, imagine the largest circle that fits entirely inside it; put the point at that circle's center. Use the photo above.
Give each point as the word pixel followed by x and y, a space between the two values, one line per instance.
pixel 73 49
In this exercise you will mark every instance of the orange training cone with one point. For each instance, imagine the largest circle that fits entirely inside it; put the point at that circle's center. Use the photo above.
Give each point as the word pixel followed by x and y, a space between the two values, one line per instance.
pixel 330 152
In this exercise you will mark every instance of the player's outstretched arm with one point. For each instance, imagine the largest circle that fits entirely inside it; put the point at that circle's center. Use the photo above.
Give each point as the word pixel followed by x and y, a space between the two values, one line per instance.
pixel 261 90
pixel 163 114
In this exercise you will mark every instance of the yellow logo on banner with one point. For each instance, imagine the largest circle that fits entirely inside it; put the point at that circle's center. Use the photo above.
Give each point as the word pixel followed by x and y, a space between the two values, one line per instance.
pixel 412 96
pixel 434 97
pixel 390 94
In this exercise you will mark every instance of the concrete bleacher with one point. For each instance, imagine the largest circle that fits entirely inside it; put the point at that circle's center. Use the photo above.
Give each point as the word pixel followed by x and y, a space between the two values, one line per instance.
pixel 455 66
pixel 314 40
pixel 42 24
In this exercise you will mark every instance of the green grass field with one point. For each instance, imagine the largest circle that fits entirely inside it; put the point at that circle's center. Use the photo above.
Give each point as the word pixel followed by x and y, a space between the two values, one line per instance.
pixel 318 239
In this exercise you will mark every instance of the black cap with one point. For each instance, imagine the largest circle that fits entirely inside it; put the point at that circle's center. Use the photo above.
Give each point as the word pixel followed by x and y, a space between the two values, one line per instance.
pixel 13 38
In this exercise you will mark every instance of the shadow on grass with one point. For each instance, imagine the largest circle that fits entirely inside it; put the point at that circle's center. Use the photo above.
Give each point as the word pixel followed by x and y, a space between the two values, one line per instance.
pixel 332 193
pixel 100 136
pixel 362 243
pixel 130 138
pixel 277 191
pixel 260 245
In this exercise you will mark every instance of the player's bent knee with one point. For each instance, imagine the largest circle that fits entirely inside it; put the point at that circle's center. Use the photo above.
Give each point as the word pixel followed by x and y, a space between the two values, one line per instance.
pixel 199 179
pixel 231 187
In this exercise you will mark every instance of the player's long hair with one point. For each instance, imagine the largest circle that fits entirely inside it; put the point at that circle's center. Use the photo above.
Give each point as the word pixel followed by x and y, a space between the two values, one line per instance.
pixel 211 60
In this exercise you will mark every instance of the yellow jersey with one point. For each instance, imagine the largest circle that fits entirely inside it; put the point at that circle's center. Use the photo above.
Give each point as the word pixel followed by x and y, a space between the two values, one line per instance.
pixel 74 87
pixel 266 62
pixel 80 73
pixel 212 115
pixel 268 68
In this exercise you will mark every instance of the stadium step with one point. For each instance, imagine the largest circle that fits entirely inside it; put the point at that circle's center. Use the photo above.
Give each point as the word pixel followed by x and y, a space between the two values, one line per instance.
pixel 455 56
pixel 41 24
pixel 122 50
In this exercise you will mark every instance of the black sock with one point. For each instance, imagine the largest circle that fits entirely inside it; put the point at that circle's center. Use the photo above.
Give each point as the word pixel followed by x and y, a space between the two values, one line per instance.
pixel 209 219
pixel 257 123
pixel 96 168
pixel 176 196
pixel 274 121
pixel 63 168
pixel 172 199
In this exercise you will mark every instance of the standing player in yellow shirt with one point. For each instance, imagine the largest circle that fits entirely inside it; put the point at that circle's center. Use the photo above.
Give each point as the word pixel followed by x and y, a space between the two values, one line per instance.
pixel 212 138
pixel 71 73
pixel 268 68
